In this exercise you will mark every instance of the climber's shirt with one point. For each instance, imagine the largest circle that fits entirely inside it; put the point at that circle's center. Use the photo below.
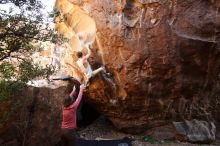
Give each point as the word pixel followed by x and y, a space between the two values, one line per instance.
pixel 69 113
pixel 88 70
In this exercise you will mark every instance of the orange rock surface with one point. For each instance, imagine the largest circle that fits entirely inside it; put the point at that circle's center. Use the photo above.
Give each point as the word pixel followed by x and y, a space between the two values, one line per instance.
pixel 163 56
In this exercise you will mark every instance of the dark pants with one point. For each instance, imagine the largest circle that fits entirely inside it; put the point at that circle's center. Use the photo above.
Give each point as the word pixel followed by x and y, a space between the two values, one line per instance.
pixel 68 137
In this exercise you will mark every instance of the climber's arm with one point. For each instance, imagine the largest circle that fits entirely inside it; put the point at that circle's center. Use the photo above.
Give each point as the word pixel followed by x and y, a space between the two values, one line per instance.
pixel 76 103
pixel 73 92
pixel 88 54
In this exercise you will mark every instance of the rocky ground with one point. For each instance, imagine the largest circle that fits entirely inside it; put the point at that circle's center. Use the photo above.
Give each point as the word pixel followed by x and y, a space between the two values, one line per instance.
pixel 102 129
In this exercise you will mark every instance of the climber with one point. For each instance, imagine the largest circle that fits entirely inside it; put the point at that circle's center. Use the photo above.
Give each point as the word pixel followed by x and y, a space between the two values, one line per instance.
pixel 84 65
pixel 56 53
pixel 70 105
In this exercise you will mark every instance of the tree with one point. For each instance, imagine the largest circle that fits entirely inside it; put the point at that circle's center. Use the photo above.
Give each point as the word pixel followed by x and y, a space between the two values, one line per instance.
pixel 20 36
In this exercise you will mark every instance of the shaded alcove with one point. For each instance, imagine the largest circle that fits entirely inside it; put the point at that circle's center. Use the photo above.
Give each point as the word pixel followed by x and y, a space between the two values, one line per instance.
pixel 86 114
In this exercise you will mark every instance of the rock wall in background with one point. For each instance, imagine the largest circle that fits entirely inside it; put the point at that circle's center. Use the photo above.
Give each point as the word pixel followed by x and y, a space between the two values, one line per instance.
pixel 33 115
pixel 164 58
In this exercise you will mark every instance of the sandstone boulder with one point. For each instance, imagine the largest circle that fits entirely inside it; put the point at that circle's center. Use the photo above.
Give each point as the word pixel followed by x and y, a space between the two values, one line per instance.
pixel 163 56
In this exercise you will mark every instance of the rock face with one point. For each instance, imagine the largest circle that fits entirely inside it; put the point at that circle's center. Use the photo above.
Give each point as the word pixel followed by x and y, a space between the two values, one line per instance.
pixel 196 131
pixel 33 115
pixel 164 58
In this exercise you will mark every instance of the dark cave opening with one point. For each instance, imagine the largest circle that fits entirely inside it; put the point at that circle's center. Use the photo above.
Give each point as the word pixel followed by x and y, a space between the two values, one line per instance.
pixel 86 114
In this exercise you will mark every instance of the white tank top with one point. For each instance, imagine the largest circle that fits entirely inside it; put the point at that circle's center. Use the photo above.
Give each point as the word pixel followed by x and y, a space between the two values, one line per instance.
pixel 87 70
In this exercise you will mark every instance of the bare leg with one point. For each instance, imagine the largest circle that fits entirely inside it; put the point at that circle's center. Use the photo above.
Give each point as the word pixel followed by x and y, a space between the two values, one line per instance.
pixel 95 72
pixel 111 85
pixel 87 81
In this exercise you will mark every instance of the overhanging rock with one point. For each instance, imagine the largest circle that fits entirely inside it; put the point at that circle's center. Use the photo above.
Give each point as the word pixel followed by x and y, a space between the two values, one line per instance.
pixel 165 66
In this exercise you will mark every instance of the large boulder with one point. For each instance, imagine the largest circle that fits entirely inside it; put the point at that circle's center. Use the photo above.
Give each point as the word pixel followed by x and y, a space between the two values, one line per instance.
pixel 33 115
pixel 163 56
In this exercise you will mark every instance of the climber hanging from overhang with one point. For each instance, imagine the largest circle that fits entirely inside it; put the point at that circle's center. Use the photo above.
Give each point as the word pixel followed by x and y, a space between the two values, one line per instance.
pixel 84 65
pixel 81 34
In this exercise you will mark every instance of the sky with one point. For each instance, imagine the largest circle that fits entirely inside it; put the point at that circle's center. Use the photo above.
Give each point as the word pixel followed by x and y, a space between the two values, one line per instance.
pixel 49 4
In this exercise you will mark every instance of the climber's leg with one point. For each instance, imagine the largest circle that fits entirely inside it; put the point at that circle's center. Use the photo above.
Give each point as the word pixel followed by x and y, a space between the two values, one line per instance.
pixel 95 72
pixel 87 81
pixel 111 84
pixel 88 77
pixel 92 74
pixel 68 137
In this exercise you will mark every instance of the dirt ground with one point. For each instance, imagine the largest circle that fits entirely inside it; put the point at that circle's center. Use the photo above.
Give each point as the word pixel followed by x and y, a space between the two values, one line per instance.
pixel 161 136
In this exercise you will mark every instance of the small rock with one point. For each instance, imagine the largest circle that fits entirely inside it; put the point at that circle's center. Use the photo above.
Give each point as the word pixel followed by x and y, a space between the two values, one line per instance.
pixel 195 131
pixel 153 21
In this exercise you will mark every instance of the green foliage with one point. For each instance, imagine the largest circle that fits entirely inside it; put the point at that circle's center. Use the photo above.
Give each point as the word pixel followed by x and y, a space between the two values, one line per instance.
pixel 7 88
pixel 167 141
pixel 6 70
pixel 153 140
pixel 150 139
pixel 30 70
pixel 21 35
pixel 55 13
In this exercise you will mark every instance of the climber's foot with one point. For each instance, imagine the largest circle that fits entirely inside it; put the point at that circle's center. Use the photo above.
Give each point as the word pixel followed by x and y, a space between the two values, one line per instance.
pixel 87 83
pixel 103 68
